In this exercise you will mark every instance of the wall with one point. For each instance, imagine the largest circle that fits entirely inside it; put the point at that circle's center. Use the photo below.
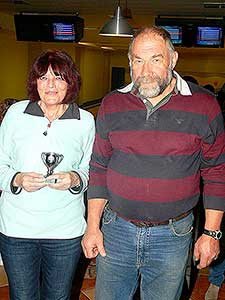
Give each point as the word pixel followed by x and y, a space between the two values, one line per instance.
pixel 13 61
pixel 207 65
pixel 120 60
pixel 94 66
pixel 17 57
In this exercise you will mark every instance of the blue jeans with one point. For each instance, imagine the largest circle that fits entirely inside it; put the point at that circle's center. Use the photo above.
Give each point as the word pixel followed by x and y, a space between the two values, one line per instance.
pixel 40 268
pixel 217 273
pixel 155 255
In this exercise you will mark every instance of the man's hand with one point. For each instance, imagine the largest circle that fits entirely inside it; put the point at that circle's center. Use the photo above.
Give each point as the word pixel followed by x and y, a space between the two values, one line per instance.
pixel 29 181
pixel 206 250
pixel 92 243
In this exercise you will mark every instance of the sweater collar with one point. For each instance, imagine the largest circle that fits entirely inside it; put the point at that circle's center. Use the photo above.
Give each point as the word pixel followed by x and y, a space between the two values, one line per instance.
pixel 72 111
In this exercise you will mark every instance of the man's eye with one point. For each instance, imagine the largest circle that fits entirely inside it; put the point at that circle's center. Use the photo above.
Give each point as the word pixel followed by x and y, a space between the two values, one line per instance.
pixel 156 60
pixel 138 61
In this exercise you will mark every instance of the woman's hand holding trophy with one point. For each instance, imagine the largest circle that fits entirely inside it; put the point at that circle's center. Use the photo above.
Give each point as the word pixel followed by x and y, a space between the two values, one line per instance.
pixel 31 181
pixel 59 181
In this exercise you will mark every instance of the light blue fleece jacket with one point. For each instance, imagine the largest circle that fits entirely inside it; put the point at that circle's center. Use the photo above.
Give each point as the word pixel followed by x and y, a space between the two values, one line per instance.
pixel 46 213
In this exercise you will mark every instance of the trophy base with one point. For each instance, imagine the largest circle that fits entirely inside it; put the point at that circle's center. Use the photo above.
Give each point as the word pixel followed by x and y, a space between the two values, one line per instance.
pixel 50 181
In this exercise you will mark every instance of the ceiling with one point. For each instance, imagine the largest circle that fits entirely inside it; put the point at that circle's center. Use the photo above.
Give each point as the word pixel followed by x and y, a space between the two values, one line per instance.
pixel 138 7
pixel 97 12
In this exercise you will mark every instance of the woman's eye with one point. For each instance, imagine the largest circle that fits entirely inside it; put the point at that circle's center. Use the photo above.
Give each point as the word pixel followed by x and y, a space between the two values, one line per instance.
pixel 43 78
pixel 59 78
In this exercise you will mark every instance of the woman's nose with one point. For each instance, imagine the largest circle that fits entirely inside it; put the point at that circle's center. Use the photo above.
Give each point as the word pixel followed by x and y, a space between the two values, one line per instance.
pixel 51 82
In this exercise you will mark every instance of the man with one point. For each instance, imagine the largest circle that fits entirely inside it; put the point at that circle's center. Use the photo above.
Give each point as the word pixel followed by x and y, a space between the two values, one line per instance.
pixel 154 138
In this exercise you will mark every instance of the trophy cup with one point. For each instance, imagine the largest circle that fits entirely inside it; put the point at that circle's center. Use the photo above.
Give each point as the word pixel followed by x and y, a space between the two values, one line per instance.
pixel 51 160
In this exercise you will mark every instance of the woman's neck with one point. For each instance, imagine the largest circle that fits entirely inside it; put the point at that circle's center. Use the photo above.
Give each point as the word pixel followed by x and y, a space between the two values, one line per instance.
pixel 53 112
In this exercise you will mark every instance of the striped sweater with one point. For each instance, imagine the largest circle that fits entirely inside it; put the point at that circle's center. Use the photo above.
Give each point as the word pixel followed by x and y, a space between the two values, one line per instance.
pixel 148 163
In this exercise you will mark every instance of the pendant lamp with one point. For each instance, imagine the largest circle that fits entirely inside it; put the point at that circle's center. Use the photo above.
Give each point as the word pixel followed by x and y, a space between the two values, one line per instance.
pixel 117 26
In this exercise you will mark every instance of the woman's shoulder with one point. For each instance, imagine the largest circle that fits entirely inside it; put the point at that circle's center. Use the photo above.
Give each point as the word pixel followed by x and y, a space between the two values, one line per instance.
pixel 86 115
pixel 18 106
pixel 14 114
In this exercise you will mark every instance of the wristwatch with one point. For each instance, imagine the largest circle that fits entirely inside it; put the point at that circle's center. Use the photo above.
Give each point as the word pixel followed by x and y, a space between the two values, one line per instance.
pixel 216 234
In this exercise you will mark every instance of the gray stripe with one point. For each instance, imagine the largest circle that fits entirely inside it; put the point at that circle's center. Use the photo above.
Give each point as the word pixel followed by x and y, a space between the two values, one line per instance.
pixel 207 163
pixel 97 192
pixel 213 202
pixel 153 166
pixel 149 211
pixel 161 120
pixel 216 128
pixel 101 160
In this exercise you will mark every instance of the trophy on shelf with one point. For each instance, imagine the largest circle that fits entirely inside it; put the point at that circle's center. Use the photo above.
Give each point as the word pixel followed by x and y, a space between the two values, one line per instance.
pixel 51 161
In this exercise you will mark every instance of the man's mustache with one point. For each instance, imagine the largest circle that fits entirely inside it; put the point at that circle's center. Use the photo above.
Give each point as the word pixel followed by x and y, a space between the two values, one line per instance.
pixel 146 79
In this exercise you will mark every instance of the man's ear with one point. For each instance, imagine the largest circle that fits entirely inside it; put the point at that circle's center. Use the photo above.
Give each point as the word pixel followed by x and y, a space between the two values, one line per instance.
pixel 174 59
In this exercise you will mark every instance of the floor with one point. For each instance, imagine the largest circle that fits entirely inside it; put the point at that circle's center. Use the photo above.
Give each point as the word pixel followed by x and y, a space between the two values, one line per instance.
pixel 83 288
pixel 201 286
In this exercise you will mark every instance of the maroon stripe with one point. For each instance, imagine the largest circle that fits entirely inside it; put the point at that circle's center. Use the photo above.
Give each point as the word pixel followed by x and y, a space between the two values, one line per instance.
pixel 214 189
pixel 198 103
pixel 152 190
pixel 97 179
pixel 120 103
pixel 215 151
pixel 101 145
pixel 202 104
pixel 213 174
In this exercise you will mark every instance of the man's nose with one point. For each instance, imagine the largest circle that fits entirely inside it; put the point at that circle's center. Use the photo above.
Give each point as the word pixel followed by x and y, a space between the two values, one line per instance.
pixel 146 68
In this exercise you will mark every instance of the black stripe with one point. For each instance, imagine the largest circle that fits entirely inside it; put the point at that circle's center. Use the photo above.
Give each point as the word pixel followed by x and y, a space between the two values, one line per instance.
pixel 101 160
pixel 160 120
pixel 153 166
pixel 149 211
pixel 97 192
pixel 207 163
pixel 215 128
pixel 214 202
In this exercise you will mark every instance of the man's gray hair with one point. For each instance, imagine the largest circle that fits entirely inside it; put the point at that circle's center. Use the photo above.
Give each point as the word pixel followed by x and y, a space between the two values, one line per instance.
pixel 158 31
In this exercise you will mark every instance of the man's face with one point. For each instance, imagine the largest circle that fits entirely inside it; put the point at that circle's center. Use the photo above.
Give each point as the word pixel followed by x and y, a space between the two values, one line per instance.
pixel 151 65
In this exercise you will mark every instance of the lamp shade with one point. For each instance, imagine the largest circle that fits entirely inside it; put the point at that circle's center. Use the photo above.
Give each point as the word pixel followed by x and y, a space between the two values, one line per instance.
pixel 117 26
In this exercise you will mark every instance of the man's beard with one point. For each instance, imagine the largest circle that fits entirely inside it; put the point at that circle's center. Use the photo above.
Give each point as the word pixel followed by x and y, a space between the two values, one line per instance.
pixel 152 86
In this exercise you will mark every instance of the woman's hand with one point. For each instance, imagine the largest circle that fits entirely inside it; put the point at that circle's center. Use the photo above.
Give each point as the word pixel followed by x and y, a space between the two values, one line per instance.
pixel 63 181
pixel 29 181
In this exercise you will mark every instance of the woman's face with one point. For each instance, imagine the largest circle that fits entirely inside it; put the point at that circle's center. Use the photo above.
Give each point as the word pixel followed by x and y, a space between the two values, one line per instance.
pixel 52 88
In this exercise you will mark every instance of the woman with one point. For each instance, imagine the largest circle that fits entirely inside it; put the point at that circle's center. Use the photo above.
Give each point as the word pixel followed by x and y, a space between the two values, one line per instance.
pixel 42 218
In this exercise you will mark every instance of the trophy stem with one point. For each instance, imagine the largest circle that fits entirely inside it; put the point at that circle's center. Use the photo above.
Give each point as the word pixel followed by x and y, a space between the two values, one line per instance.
pixel 51 161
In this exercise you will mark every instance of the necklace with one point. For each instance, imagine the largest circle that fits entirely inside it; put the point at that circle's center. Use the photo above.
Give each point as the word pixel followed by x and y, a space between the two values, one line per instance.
pixel 56 115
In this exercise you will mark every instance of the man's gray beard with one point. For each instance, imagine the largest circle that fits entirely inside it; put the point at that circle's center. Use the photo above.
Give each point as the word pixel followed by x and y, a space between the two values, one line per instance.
pixel 153 90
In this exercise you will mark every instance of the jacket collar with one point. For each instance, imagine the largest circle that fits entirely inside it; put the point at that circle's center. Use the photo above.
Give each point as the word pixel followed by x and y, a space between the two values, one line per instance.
pixel 34 109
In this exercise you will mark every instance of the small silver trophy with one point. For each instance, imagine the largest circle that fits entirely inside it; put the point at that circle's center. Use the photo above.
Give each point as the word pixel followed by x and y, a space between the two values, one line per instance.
pixel 51 160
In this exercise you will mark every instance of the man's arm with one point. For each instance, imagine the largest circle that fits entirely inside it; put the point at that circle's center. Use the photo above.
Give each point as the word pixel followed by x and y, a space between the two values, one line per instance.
pixel 92 242
pixel 207 248
pixel 213 175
